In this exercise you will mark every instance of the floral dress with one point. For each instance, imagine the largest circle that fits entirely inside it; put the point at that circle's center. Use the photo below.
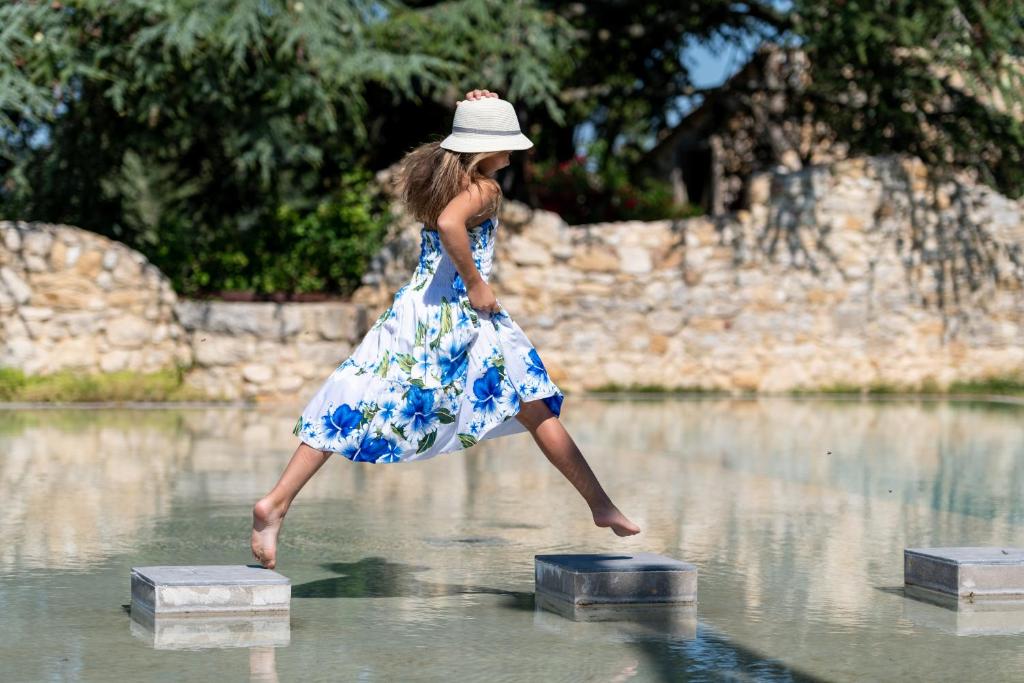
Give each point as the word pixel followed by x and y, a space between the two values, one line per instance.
pixel 432 374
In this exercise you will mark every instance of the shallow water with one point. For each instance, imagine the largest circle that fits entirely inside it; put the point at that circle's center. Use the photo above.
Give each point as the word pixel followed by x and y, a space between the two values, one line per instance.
pixel 796 513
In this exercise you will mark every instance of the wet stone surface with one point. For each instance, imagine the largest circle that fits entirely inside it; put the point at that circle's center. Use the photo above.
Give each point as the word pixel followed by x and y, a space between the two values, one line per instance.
pixel 208 589
pixel 967 572
pixel 619 578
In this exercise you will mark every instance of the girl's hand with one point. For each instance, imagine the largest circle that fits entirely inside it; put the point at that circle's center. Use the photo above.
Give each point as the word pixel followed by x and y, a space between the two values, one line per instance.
pixel 481 297
pixel 478 94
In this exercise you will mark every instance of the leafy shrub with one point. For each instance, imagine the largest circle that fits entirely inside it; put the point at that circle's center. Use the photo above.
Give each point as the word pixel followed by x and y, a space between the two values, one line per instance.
pixel 324 248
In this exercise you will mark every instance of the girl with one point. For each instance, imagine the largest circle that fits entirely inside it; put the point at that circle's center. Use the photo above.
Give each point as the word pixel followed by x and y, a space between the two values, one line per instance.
pixel 445 366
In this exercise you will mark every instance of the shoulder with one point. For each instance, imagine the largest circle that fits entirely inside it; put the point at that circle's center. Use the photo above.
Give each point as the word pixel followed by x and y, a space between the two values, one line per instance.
pixel 484 188
pixel 476 202
pixel 480 195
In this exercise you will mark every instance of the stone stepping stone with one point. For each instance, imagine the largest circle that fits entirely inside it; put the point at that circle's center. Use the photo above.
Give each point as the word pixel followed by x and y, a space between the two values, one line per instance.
pixel 616 579
pixel 966 573
pixel 209 589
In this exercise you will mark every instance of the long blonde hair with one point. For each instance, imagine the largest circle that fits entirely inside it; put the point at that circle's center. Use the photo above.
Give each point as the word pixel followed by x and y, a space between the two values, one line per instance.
pixel 430 176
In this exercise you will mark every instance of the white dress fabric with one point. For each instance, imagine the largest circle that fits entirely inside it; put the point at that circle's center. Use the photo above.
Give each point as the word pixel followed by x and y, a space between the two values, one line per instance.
pixel 432 374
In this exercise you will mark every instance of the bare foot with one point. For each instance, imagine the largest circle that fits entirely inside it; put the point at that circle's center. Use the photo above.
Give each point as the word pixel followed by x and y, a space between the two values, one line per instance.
pixel 616 520
pixel 266 525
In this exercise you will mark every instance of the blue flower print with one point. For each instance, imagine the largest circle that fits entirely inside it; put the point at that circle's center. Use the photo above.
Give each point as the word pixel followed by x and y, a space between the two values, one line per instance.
pixel 368 449
pixel 454 361
pixel 422 361
pixel 430 242
pixel 494 358
pixel 487 392
pixel 475 426
pixel 464 320
pixel 418 414
pixel 342 421
pixel 387 409
pixel 458 286
pixel 528 390
pixel 535 367
pixel 430 246
pixel 513 403
pixel 420 392
pixel 480 235
pixel 393 452
pixel 303 426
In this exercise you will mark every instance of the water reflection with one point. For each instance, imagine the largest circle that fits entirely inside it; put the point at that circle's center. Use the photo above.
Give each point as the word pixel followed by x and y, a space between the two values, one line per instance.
pixel 669 620
pixel 262 665
pixel 796 513
pixel 963 618
pixel 211 631
pixel 80 484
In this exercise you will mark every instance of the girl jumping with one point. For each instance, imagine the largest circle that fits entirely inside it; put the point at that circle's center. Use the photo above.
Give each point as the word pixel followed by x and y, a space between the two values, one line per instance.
pixel 445 366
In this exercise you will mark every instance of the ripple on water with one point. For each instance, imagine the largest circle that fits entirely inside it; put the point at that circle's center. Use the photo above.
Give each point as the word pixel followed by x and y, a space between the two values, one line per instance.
pixel 466 541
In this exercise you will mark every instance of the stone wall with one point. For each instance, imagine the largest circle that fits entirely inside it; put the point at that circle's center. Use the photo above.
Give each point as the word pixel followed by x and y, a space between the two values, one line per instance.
pixel 837 276
pixel 269 350
pixel 71 299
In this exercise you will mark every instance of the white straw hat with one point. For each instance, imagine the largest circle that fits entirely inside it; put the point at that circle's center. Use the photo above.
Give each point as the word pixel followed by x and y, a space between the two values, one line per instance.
pixel 488 124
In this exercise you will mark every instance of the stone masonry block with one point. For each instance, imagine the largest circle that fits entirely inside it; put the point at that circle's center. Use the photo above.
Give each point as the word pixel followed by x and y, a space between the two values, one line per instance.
pixel 966 572
pixel 209 589
pixel 618 578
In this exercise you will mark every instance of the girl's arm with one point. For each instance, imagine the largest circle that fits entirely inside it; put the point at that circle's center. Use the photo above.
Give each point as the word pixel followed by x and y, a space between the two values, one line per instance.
pixel 452 230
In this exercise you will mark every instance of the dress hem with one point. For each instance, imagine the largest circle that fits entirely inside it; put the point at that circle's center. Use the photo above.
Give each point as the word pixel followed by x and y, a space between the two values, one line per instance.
pixel 486 434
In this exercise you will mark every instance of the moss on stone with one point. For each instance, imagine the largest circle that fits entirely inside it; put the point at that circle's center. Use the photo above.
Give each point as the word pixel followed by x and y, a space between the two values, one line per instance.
pixel 613 387
pixel 69 386
pixel 1008 385
pixel 1005 385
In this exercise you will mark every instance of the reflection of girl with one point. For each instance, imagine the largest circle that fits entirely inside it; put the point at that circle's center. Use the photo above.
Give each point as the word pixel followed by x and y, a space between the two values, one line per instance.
pixel 445 366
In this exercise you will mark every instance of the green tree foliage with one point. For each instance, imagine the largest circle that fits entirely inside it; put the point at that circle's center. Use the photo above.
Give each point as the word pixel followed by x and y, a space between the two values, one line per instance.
pixel 887 75
pixel 943 80
pixel 512 47
pixel 223 138
pixel 624 73
pixel 191 129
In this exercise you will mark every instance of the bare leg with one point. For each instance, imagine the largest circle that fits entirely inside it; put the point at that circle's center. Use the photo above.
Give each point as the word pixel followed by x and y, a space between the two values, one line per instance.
pixel 268 514
pixel 561 450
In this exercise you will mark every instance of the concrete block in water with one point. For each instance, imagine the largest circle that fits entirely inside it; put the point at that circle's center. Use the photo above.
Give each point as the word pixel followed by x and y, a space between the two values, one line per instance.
pixel 967 573
pixel 614 579
pixel 209 589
